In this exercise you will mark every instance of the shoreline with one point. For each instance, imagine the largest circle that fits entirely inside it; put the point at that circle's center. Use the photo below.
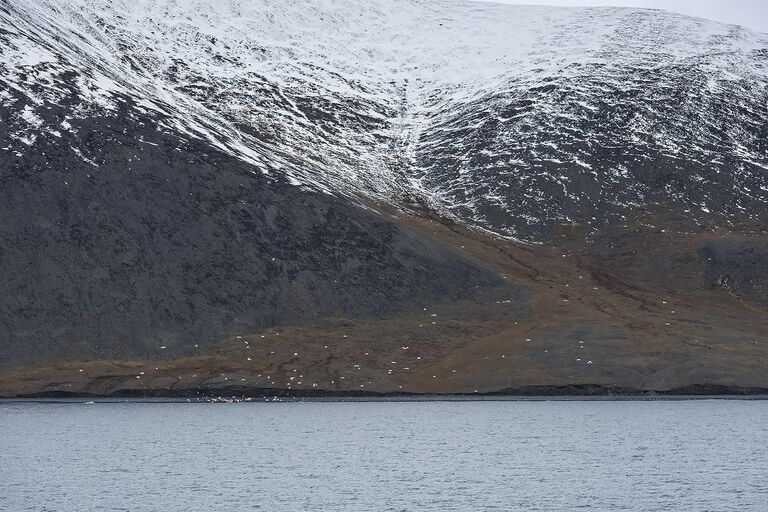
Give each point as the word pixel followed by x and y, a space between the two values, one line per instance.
pixel 372 399
pixel 533 393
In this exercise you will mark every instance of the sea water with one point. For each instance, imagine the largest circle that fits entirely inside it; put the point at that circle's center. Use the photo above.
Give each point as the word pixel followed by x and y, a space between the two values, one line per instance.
pixel 703 455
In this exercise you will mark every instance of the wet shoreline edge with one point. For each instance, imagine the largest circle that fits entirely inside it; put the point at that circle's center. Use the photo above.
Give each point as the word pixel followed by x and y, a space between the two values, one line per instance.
pixel 531 393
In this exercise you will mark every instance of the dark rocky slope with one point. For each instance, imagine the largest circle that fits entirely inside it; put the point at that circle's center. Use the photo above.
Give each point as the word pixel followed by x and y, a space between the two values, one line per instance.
pixel 164 244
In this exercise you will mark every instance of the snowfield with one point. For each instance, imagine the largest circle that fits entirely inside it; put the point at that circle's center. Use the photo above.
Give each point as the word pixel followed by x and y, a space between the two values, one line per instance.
pixel 511 118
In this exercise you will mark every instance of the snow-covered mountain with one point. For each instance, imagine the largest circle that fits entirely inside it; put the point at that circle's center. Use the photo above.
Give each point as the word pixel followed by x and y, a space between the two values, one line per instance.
pixel 514 118
pixel 382 195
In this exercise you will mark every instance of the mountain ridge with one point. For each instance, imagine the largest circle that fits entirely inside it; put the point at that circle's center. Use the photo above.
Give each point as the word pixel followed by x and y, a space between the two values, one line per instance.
pixel 374 118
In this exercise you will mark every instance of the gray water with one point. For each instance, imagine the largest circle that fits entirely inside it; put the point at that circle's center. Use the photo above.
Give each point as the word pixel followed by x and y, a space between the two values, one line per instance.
pixel 434 456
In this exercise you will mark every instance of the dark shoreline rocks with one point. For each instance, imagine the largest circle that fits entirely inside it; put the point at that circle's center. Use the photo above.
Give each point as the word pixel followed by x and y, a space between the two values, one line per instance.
pixel 238 393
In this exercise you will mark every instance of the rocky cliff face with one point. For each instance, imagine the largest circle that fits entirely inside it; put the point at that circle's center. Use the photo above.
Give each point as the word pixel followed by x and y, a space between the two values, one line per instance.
pixel 179 175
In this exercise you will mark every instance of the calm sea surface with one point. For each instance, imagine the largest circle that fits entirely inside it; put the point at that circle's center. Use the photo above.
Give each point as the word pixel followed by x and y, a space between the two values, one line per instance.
pixel 432 456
